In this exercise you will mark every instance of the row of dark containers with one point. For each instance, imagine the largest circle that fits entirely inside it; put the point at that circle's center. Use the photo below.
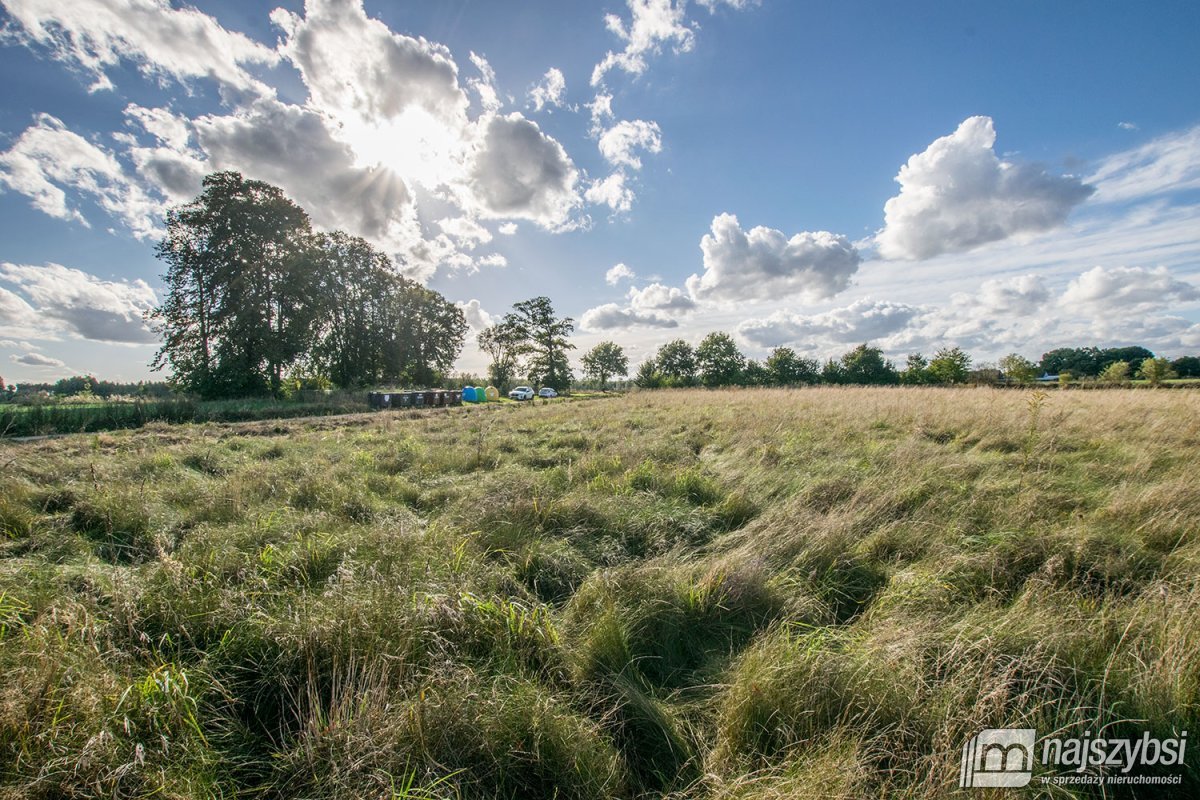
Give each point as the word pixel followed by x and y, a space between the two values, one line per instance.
pixel 433 397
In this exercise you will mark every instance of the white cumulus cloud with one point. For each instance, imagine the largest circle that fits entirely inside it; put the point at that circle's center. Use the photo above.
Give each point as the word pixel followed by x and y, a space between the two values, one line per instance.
pixel 550 91
pixel 618 273
pixel 19 319
pixel 620 143
pixel 958 195
pixel 652 24
pixel 356 67
pixel 477 318
pixel 266 143
pixel 654 306
pixel 612 316
pixel 1127 290
pixel 764 263
pixel 658 297
pixel 485 84
pixel 861 321
pixel 1017 296
pixel 520 172
pixel 610 191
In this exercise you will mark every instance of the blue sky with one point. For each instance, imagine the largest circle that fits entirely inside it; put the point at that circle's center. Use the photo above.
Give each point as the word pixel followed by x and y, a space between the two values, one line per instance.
pixel 1001 176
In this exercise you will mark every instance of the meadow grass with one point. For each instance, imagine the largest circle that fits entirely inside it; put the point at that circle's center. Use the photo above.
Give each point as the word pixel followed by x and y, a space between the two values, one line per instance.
pixel 728 594
pixel 49 418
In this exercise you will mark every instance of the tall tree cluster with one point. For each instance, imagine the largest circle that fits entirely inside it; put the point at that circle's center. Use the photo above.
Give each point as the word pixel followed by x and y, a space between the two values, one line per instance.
pixel 253 294
pixel 1090 361
pixel 530 341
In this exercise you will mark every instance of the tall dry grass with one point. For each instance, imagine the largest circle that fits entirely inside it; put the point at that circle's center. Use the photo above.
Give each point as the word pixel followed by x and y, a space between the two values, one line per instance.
pixel 808 593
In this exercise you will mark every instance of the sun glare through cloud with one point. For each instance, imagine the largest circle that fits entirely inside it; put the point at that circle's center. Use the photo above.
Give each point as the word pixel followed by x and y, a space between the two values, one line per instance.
pixel 415 145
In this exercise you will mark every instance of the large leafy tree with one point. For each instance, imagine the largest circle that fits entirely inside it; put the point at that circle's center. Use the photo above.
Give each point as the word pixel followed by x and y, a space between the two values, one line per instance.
pixel 788 369
pixel 755 374
pixel 241 288
pixel 866 364
pixel 718 360
pixel 676 363
pixel 916 370
pixel 504 343
pixel 1116 372
pixel 422 334
pixel 545 343
pixel 1155 370
pixel 950 365
pixel 356 281
pixel 833 372
pixel 648 376
pixel 1018 369
pixel 604 361
pixel 1186 366
pixel 186 319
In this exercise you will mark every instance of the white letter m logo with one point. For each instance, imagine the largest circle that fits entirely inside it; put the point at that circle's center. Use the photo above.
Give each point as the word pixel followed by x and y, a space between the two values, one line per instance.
pixel 998 757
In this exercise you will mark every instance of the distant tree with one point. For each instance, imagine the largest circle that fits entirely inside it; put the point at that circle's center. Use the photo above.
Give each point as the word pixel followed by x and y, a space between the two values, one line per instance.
pixel 866 365
pixel 916 370
pixel 1155 370
pixel 675 361
pixel 1064 379
pixel 1111 355
pixel 1018 369
pixel 545 342
pixel 647 376
pixel 984 375
pixel 503 342
pixel 756 374
pixel 788 369
pixel 1116 372
pixel 1186 366
pixel 1090 361
pixel 76 385
pixel 718 360
pixel 949 365
pixel 1076 360
pixel 465 379
pixel 833 372
pixel 605 360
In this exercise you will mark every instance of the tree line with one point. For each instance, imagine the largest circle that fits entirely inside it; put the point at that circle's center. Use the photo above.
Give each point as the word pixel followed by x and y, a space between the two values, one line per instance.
pixel 86 386
pixel 717 361
pixel 256 298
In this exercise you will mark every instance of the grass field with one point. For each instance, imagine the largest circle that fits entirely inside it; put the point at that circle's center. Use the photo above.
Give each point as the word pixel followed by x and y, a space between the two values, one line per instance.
pixel 41 419
pixel 741 594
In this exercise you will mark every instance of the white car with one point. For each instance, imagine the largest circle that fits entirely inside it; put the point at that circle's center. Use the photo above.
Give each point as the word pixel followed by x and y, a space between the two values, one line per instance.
pixel 546 391
pixel 522 393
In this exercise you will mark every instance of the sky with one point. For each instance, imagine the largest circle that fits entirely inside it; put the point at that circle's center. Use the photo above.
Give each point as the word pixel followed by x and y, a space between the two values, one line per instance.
pixel 1004 177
